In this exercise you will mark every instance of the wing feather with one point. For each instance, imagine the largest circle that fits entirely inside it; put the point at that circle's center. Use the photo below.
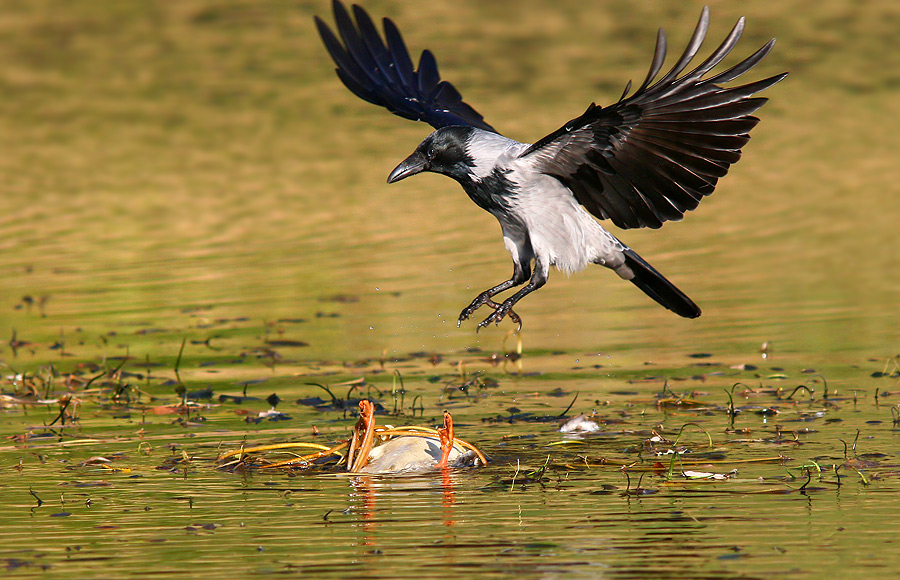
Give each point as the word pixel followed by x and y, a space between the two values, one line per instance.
pixel 380 71
pixel 659 57
pixel 654 155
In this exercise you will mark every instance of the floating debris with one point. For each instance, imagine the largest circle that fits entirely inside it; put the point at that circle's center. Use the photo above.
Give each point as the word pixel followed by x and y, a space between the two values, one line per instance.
pixel 709 475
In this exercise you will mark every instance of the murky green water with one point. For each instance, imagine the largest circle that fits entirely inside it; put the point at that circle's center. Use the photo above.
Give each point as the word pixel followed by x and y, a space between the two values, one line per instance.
pixel 194 172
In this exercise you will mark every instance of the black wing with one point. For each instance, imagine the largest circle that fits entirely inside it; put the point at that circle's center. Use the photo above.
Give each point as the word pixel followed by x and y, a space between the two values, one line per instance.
pixel 382 73
pixel 653 156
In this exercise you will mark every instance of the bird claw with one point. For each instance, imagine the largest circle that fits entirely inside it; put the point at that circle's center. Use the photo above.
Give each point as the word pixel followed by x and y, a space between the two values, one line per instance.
pixel 500 312
pixel 508 312
pixel 516 319
pixel 487 321
pixel 480 301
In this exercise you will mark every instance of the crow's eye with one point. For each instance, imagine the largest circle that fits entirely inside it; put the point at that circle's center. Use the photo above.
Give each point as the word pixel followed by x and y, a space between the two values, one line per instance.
pixel 432 153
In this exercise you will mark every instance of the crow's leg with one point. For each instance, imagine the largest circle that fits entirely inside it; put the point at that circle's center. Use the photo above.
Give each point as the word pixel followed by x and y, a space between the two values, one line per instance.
pixel 520 275
pixel 538 279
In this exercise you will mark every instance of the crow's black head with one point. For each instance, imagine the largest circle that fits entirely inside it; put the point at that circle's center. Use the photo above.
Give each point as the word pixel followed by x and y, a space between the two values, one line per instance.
pixel 444 151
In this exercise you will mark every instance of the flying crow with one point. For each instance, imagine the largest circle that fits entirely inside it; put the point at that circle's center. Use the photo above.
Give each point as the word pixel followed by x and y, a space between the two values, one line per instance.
pixel 639 162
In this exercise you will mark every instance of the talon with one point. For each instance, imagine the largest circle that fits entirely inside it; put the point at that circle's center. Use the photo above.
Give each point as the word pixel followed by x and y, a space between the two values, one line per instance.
pixel 492 318
pixel 481 300
pixel 498 316
pixel 515 318
pixel 465 314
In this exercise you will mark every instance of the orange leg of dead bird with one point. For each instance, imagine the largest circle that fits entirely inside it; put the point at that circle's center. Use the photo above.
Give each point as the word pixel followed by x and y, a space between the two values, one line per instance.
pixel 366 424
pixel 446 433
pixel 355 439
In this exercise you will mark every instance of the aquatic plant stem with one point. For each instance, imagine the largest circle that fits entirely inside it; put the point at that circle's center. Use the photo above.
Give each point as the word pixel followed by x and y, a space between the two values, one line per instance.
pixel 675 443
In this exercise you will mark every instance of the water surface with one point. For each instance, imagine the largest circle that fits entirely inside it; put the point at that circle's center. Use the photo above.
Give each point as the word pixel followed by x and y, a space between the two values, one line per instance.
pixel 194 173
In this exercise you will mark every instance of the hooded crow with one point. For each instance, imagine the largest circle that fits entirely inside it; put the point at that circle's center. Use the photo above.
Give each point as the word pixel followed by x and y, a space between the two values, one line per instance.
pixel 640 162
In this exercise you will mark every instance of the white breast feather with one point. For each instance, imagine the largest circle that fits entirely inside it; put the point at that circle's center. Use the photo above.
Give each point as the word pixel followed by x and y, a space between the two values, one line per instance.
pixel 562 232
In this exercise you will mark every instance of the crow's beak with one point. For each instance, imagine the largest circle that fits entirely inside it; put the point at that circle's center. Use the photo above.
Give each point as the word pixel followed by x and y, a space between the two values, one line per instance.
pixel 415 163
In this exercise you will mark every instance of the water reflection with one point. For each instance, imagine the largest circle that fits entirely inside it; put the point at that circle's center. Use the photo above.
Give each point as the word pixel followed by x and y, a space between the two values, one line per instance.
pixel 420 492
pixel 447 522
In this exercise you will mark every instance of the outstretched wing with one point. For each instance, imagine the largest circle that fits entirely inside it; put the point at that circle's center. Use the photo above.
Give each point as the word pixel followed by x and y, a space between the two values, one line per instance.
pixel 653 156
pixel 382 73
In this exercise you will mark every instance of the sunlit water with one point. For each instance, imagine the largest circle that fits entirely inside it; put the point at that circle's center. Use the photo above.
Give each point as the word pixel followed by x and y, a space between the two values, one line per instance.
pixel 163 514
pixel 194 174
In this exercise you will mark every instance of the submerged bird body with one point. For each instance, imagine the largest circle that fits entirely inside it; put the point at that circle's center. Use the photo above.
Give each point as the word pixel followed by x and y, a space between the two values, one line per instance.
pixel 409 452
pixel 415 454
pixel 640 162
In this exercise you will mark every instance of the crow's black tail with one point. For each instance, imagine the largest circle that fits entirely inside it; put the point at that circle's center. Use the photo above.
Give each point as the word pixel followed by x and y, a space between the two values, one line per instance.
pixel 657 287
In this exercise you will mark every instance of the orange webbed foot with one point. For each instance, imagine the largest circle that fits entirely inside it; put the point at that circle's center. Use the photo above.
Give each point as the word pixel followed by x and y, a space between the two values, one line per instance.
pixel 363 436
pixel 446 434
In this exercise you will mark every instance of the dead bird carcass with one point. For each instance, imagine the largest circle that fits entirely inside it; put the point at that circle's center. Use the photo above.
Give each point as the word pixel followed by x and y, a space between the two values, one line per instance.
pixel 370 449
